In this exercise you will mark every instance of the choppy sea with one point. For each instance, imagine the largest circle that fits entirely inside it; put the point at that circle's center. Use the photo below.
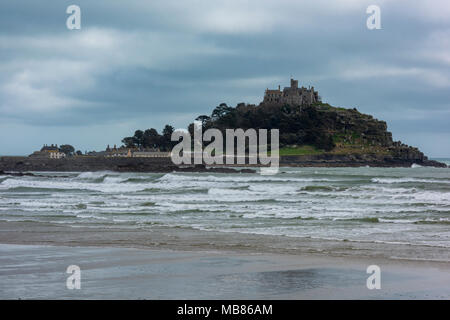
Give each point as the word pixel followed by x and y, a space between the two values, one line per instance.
pixel 391 205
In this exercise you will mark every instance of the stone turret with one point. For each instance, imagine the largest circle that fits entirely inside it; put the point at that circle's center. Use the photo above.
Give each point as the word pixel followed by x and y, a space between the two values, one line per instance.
pixel 292 95
pixel 294 84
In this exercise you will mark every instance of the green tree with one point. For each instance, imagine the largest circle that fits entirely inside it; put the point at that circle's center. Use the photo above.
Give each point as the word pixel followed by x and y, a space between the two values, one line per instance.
pixel 221 112
pixel 67 149
pixel 138 138
pixel 166 139
pixel 151 138
pixel 204 119
pixel 128 142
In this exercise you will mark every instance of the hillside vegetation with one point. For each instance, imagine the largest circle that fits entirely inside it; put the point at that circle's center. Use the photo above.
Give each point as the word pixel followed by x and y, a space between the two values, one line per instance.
pixel 311 130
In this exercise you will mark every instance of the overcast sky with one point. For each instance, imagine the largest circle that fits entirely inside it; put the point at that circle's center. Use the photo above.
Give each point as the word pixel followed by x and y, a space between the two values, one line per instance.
pixel 136 66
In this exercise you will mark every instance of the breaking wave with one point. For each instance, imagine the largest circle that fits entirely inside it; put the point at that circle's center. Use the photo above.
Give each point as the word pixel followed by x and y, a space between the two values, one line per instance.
pixel 396 205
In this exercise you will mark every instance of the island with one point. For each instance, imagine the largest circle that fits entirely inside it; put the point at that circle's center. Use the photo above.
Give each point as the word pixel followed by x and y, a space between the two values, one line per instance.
pixel 312 133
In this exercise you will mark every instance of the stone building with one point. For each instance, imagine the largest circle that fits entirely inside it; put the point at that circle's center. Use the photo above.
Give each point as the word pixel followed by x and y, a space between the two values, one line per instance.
pixel 292 95
pixel 134 152
pixel 48 152
pixel 150 154
pixel 116 152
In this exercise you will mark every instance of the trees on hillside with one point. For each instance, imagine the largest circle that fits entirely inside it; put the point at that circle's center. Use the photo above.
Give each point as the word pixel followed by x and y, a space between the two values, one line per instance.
pixel 297 124
pixel 150 138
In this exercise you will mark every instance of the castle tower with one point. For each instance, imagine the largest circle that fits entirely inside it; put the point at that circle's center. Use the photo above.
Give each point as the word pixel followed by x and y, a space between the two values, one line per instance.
pixel 294 84
pixel 292 95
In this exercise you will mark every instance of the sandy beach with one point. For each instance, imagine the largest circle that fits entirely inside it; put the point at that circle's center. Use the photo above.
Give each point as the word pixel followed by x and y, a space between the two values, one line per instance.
pixel 302 234
pixel 172 263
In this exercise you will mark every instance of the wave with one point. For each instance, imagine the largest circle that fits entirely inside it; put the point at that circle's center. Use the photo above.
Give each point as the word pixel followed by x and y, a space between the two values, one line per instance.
pixel 431 221
pixel 44 190
pixel 148 204
pixel 364 219
pixel 408 180
pixel 240 178
pixel 92 175
pixel 73 185
pixel 222 192
pixel 321 188
pixel 140 179
pixel 91 216
pixel 130 212
pixel 109 179
pixel 265 231
pixel 173 190
pixel 378 204
pixel 395 221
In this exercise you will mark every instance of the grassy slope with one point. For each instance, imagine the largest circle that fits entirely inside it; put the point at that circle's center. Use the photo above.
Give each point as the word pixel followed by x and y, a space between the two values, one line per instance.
pixel 339 149
pixel 350 143
pixel 300 150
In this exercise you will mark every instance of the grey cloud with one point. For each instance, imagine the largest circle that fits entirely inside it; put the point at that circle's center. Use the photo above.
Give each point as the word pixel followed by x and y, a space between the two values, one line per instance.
pixel 134 63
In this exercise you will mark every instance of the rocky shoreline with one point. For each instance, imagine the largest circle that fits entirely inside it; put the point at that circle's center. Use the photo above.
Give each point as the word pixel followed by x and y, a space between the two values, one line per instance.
pixel 19 165
pixel 356 160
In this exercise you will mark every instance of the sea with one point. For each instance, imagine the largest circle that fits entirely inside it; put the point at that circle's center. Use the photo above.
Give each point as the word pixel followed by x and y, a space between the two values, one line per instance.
pixel 382 205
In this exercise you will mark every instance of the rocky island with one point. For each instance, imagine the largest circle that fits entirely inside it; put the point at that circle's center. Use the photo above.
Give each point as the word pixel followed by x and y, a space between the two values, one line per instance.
pixel 312 133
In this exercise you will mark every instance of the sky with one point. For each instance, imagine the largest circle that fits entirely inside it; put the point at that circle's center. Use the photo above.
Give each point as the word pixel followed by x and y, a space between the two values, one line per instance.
pixel 143 64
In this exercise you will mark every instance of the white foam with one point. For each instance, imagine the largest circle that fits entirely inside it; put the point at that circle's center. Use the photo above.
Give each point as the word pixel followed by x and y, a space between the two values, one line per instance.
pixel 94 175
pixel 250 202
pixel 240 178
pixel 406 180
pixel 73 185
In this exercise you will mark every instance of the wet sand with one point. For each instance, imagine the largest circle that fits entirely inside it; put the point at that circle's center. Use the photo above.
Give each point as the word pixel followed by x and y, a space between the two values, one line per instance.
pixel 174 263
pixel 38 272
pixel 176 238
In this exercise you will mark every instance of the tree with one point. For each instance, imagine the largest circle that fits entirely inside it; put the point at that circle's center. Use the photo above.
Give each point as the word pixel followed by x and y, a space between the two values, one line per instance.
pixel 138 138
pixel 151 138
pixel 67 149
pixel 128 142
pixel 79 153
pixel 166 139
pixel 204 119
pixel 168 130
pixel 221 111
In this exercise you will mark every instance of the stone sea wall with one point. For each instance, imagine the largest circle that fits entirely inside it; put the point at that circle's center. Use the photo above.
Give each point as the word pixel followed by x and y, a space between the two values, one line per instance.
pixel 80 164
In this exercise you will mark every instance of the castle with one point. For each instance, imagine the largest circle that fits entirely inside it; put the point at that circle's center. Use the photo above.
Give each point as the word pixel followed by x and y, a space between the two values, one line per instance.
pixel 292 95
